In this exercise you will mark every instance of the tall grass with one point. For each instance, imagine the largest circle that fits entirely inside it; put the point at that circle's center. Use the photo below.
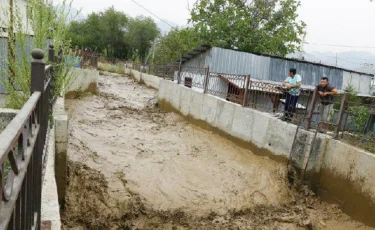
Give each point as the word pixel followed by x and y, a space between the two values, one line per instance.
pixel 118 68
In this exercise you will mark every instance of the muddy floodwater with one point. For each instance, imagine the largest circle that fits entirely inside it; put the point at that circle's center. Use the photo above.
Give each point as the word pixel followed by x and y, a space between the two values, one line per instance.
pixel 133 166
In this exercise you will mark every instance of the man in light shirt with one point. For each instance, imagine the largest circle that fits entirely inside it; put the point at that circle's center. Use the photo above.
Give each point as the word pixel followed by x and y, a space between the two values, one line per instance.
pixel 293 84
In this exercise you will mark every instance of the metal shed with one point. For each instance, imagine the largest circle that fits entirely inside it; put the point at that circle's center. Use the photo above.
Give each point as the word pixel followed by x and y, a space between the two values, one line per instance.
pixel 272 68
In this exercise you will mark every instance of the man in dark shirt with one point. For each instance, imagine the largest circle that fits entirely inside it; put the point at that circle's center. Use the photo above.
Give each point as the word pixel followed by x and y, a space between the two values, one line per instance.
pixel 326 92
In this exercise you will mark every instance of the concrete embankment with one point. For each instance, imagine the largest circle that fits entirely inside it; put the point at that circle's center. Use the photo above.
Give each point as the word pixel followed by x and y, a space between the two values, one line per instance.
pixel 338 172
pixel 135 166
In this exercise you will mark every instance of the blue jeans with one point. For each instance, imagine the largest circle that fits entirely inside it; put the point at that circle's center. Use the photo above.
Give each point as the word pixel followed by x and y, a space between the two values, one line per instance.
pixel 290 105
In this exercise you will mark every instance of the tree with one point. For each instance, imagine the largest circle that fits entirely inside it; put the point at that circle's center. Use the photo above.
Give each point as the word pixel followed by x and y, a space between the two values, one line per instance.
pixel 114 34
pixel 103 32
pixel 142 31
pixel 174 44
pixel 113 25
pixel 262 26
pixel 87 34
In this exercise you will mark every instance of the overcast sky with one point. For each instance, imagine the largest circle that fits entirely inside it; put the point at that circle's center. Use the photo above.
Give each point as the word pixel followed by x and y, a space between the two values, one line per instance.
pixel 336 22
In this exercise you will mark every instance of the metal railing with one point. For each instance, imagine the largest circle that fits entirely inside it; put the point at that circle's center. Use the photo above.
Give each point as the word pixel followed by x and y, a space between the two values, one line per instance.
pixel 89 60
pixel 227 86
pixel 22 149
pixel 275 98
pixel 193 77
pixel 352 122
pixel 358 124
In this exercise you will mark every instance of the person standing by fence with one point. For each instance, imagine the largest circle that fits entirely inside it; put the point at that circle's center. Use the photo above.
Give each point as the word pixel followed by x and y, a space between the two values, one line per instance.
pixel 326 92
pixel 293 84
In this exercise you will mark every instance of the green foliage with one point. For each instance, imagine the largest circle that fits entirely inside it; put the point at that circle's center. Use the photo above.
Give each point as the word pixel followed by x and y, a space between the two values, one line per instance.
pixel 352 93
pixel 359 112
pixel 269 27
pixel 114 34
pixel 46 22
pixel 102 32
pixel 141 33
pixel 174 44
pixel 361 115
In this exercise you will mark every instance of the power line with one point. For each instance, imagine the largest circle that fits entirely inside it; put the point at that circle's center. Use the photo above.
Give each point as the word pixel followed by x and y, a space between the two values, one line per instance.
pixel 345 58
pixel 152 13
pixel 347 46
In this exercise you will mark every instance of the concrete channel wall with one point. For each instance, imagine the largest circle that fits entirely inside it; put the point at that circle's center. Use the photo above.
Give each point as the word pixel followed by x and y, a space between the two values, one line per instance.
pixel 149 80
pixel 84 80
pixel 337 172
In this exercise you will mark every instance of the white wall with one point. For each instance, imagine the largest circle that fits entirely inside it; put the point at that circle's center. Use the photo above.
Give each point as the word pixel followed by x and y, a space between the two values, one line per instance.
pixel 361 82
pixel 149 80
pixel 83 79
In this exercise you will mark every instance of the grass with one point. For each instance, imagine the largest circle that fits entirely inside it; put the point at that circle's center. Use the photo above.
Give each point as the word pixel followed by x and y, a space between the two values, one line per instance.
pixel 118 68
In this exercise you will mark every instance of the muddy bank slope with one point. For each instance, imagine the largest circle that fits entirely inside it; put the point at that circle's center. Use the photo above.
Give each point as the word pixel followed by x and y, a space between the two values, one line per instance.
pixel 133 166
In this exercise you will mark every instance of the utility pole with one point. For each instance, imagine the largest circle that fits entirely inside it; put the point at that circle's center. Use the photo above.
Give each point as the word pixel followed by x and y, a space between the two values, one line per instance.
pixel 11 45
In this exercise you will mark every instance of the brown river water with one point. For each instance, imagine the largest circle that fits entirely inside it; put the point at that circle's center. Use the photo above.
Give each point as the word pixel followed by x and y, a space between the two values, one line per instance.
pixel 133 166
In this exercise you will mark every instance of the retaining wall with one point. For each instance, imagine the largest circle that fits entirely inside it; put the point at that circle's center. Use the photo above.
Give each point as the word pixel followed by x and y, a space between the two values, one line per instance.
pixel 50 204
pixel 337 172
pixel 84 80
pixel 61 136
pixel 149 80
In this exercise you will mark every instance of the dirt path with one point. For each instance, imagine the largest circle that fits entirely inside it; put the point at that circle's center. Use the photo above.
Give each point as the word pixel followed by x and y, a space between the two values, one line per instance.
pixel 136 167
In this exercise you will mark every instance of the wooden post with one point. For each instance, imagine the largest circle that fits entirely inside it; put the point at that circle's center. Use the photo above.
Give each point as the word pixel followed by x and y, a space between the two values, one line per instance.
pixel 341 113
pixel 206 80
pixel 51 54
pixel 312 108
pixel 247 83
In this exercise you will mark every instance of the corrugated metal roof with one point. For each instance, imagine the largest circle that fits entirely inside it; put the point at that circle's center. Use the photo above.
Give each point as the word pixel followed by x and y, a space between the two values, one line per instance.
pixel 204 48
pixel 200 49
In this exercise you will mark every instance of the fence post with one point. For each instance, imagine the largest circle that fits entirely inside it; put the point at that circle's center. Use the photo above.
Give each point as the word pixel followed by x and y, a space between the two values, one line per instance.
pixel 206 80
pixel 247 82
pixel 51 53
pixel 37 71
pixel 37 84
pixel 312 108
pixel 341 113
